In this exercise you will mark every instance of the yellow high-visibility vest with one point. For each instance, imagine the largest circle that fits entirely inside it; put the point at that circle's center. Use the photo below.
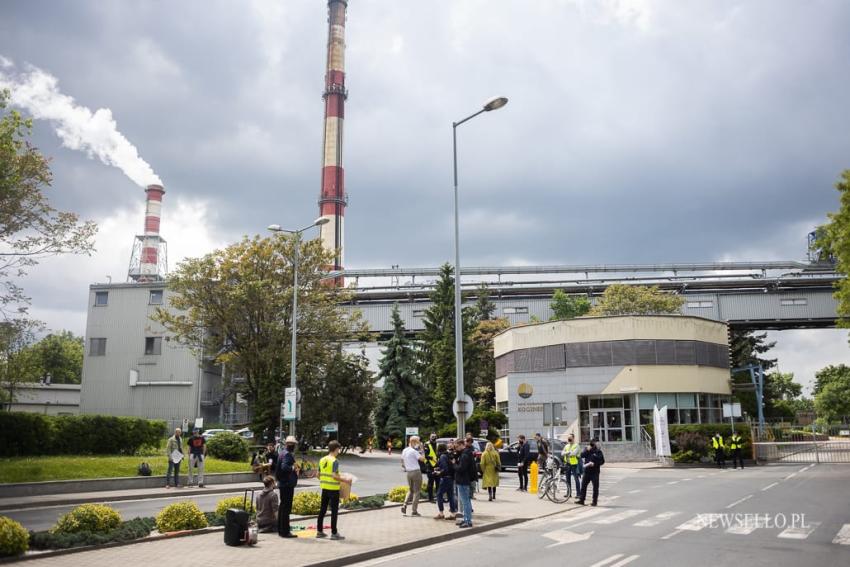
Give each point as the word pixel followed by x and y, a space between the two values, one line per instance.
pixel 735 442
pixel 326 473
pixel 717 442
pixel 568 456
pixel 431 455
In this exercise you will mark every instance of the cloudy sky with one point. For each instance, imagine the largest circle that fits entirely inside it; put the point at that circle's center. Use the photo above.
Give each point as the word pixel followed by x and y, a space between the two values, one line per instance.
pixel 637 131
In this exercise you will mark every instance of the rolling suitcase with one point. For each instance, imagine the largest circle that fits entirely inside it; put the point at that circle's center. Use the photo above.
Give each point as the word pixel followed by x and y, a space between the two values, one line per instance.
pixel 238 527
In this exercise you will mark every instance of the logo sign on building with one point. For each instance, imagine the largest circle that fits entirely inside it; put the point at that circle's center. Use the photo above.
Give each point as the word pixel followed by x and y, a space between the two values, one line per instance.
pixel 662 433
pixel 524 390
pixel 411 431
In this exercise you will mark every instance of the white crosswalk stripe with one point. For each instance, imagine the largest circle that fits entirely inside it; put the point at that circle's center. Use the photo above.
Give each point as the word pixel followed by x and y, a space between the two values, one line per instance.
pixel 583 515
pixel 613 519
pixel 746 527
pixel 799 532
pixel 657 519
pixel 843 535
pixel 608 562
pixel 699 521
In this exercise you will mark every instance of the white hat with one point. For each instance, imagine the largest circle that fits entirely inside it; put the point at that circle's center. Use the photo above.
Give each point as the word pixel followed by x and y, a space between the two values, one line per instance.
pixel 291 439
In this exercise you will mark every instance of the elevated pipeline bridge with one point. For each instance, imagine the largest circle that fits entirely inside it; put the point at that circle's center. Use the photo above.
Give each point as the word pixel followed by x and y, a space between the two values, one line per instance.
pixel 748 295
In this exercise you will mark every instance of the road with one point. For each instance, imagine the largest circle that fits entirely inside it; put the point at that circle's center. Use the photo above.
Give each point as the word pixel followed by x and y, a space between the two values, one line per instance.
pixel 773 516
pixel 374 475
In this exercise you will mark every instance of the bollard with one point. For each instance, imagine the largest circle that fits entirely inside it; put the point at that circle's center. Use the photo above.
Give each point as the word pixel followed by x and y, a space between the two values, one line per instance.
pixel 532 478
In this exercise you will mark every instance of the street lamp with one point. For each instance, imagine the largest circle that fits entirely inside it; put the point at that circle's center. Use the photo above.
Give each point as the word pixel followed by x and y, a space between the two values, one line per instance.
pixel 492 104
pixel 297 233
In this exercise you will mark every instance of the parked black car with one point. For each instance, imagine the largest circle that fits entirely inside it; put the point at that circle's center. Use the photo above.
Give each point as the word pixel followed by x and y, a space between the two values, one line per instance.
pixel 478 445
pixel 508 455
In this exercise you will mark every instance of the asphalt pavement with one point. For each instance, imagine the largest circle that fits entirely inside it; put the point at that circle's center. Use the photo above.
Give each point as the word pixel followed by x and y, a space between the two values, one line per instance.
pixel 768 515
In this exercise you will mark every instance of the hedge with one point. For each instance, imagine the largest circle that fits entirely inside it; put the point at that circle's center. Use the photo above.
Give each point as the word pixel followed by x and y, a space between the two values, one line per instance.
pixel 127 531
pixel 30 434
pixel 94 518
pixel 228 446
pixel 707 430
pixel 13 538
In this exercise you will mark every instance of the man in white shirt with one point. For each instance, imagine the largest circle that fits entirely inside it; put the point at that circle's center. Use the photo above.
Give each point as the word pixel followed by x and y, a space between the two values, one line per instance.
pixel 410 459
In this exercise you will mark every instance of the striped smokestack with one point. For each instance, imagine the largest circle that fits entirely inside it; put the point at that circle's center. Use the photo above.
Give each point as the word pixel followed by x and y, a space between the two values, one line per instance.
pixel 332 200
pixel 149 265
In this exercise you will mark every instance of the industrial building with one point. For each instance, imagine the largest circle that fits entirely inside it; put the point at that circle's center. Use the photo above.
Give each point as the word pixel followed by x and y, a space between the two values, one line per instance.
pixel 599 377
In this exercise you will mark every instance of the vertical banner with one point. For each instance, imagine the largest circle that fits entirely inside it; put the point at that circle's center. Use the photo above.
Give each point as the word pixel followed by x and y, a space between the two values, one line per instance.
pixel 662 434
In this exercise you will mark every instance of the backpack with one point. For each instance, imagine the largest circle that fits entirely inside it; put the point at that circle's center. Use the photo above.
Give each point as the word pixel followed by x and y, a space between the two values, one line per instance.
pixel 144 469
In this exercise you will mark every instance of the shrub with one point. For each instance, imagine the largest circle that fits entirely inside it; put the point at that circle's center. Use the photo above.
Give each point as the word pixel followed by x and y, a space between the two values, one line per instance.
pixel 306 503
pixel 397 494
pixel 93 518
pixel 238 502
pixel 706 430
pixel 228 446
pixel 14 538
pixel 23 434
pixel 352 499
pixel 376 501
pixel 693 442
pixel 687 456
pixel 134 529
pixel 180 516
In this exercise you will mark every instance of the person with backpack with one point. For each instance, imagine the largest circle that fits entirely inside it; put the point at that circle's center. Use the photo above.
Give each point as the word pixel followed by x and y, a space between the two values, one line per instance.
pixel 444 472
pixel 197 456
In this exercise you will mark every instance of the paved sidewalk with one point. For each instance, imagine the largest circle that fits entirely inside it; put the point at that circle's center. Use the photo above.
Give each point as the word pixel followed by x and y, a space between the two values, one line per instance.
pixel 366 532
pixel 17 503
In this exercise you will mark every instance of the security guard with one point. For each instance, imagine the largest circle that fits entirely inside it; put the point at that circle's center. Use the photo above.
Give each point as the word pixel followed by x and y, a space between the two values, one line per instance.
pixel 736 445
pixel 430 451
pixel 329 481
pixel 719 450
pixel 571 454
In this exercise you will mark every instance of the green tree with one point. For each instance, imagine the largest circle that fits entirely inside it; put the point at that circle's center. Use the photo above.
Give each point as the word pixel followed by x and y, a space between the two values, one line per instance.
pixel 834 241
pixel 59 356
pixel 780 390
pixel 568 306
pixel 622 299
pixel 438 353
pixel 480 363
pixel 832 403
pixel 484 308
pixel 17 364
pixel 748 348
pixel 829 374
pixel 237 304
pixel 402 399
pixel 30 228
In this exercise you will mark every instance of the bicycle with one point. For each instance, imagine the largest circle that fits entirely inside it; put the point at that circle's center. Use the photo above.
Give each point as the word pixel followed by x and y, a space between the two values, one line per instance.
pixel 554 483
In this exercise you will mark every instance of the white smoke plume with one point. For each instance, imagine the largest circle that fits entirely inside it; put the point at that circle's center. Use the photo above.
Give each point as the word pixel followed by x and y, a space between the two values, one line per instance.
pixel 95 133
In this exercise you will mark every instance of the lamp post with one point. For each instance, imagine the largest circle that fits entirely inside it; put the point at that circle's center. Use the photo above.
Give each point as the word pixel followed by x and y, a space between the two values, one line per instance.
pixel 492 104
pixel 294 333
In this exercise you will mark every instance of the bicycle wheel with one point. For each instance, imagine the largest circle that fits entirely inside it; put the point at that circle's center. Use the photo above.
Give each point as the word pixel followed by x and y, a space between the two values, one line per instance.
pixel 559 490
pixel 543 486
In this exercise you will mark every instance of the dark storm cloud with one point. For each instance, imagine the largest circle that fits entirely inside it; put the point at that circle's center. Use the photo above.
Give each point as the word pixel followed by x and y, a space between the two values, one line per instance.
pixel 636 132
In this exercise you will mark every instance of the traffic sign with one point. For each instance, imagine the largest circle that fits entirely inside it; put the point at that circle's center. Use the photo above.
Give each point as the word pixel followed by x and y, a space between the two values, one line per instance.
pixel 469 406
pixel 732 410
pixel 332 427
pixel 411 431
pixel 289 407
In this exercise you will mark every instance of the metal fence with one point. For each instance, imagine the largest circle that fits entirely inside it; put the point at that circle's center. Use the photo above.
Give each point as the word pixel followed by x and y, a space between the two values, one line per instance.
pixel 803 452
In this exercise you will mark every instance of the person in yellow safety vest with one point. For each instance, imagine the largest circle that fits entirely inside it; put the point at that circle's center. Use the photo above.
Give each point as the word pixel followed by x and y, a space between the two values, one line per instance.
pixel 719 450
pixel 572 450
pixel 430 450
pixel 329 481
pixel 735 446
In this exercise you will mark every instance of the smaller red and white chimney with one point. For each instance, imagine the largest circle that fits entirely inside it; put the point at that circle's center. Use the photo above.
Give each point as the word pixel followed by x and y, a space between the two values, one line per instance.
pixel 149 253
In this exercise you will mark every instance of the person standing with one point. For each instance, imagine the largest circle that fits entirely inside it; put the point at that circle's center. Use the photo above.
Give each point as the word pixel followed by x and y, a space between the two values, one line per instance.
pixel 410 459
pixel 329 481
pixel 593 460
pixel 430 451
pixel 491 465
pixel 174 451
pixel 389 446
pixel 464 474
pixel 571 459
pixel 735 446
pixel 719 450
pixel 470 446
pixel 268 505
pixel 197 456
pixel 286 472
pixel 542 451
pixel 445 473
pixel 522 461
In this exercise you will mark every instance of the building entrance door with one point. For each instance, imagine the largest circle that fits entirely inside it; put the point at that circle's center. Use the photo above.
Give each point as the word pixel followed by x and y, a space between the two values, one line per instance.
pixel 607 425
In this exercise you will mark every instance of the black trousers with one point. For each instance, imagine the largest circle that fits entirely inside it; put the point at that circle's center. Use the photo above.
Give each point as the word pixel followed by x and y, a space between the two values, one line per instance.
pixel 720 458
pixel 329 497
pixel 522 471
pixel 590 478
pixel 433 482
pixel 287 493
pixel 736 458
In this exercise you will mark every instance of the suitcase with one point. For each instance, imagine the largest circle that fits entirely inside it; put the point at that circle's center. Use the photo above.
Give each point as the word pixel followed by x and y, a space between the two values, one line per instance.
pixel 238 527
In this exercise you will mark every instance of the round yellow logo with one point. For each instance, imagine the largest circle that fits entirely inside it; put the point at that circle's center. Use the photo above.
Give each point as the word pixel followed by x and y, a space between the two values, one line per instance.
pixel 525 390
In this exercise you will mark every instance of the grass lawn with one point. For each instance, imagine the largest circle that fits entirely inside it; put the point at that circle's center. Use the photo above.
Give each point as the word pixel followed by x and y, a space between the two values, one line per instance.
pixel 70 467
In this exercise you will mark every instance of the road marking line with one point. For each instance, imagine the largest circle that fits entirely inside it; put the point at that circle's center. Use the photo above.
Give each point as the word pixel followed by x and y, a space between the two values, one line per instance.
pixel 801 532
pixel 607 561
pixel 736 502
pixel 686 479
pixel 674 482
pixel 698 522
pixel 790 476
pixel 656 486
pixel 624 515
pixel 583 515
pixel 672 534
pixel 746 528
pixel 657 519
pixel 701 476
pixel 769 486
pixel 634 491
pixel 803 469
pixel 628 559
pixel 843 535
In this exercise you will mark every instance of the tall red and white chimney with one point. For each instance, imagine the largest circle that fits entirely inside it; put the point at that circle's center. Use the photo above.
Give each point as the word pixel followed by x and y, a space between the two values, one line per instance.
pixel 147 262
pixel 332 200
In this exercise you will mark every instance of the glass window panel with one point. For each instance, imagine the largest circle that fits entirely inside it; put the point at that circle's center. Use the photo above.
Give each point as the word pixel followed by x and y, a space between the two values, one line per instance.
pixel 614 419
pixel 584 418
pixel 630 434
pixel 156 297
pixel 597 419
pixel 703 416
pixel 582 402
pixel 547 414
pixel 646 401
pixel 672 416
pixel 628 416
pixel 645 416
pixel 668 400
pixel 687 400
pixel 595 402
pixel 627 401
pixel 613 401
pixel 703 400
pixel 599 434
pixel 101 298
pixel 688 416
pixel 585 434
pixel 615 435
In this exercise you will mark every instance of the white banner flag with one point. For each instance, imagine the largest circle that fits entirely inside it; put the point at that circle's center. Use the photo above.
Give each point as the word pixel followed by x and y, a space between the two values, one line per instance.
pixel 662 434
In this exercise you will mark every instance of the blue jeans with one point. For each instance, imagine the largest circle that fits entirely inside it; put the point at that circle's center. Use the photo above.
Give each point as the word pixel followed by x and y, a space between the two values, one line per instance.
pixel 573 472
pixel 464 492
pixel 176 468
pixel 447 487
